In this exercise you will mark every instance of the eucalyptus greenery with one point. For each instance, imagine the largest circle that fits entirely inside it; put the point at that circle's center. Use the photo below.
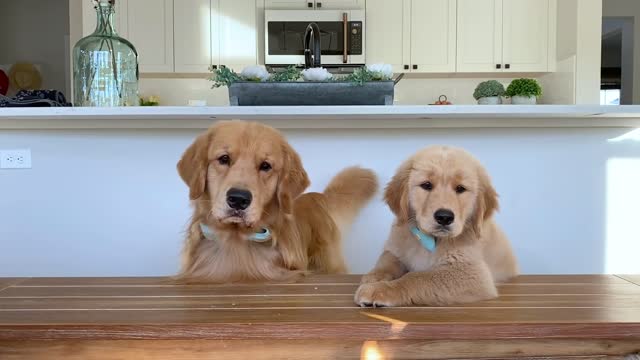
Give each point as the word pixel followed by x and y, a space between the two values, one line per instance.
pixel 489 88
pixel 224 76
pixel 524 87
pixel 360 76
pixel 289 74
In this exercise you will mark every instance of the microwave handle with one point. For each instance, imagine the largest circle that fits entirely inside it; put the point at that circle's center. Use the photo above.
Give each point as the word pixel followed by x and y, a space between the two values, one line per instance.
pixel 345 28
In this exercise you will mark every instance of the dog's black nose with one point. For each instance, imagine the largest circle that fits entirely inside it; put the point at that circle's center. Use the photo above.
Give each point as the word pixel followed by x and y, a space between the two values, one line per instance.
pixel 444 217
pixel 238 199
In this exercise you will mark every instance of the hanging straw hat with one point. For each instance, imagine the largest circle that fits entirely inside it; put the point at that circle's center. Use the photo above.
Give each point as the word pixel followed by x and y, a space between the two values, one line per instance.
pixel 25 76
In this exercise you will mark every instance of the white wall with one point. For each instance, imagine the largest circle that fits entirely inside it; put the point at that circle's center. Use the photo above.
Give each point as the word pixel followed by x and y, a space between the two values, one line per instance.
pixel 110 202
pixel 628 9
pixel 35 31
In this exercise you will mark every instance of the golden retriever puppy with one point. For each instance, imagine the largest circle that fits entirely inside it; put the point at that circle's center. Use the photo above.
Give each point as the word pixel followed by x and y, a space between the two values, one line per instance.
pixel 250 220
pixel 444 247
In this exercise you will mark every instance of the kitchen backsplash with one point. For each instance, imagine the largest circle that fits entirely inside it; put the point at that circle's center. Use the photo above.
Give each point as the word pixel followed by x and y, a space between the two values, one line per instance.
pixel 422 91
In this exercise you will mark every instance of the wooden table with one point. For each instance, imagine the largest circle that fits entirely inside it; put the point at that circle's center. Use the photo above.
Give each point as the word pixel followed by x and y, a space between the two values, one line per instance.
pixel 559 317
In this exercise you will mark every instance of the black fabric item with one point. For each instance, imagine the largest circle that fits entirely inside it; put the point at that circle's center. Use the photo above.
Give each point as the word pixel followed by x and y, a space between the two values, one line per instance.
pixel 35 98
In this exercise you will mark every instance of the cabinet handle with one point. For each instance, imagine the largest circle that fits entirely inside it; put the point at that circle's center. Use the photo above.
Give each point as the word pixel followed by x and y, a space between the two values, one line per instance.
pixel 507 66
pixel 310 4
pixel 319 5
pixel 406 67
pixel 415 67
pixel 498 66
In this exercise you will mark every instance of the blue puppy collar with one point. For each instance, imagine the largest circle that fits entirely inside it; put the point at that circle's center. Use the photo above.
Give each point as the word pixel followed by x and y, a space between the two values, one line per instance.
pixel 261 236
pixel 428 242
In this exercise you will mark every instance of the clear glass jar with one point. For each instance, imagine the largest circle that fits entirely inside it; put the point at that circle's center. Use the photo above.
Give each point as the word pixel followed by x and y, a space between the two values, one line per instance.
pixel 105 66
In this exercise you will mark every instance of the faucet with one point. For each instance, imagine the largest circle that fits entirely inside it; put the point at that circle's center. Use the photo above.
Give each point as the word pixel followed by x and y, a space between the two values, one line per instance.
pixel 312 57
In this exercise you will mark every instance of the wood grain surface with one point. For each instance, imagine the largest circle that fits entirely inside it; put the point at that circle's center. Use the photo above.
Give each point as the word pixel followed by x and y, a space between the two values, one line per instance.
pixel 536 316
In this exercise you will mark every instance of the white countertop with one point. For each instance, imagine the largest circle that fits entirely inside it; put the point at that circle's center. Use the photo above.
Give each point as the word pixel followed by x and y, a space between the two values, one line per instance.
pixel 324 117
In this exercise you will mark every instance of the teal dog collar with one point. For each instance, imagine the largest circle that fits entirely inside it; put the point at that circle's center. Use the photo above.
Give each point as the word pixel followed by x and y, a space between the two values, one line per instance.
pixel 428 242
pixel 261 236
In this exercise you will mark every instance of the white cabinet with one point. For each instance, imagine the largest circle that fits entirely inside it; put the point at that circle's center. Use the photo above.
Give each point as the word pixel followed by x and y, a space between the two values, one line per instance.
pixel 412 35
pixel 525 43
pixel 150 29
pixel 503 35
pixel 192 35
pixel 316 4
pixel 479 35
pixel 433 35
pixel 387 38
pixel 289 4
pixel 234 28
pixel 340 4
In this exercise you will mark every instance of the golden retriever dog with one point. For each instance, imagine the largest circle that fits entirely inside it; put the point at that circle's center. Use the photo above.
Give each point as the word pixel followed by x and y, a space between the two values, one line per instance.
pixel 444 247
pixel 251 221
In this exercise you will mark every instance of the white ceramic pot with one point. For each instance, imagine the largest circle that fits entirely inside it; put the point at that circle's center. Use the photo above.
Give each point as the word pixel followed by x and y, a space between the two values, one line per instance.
pixel 491 100
pixel 523 100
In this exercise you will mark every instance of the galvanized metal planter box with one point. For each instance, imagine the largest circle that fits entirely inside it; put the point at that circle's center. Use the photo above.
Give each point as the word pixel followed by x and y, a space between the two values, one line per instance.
pixel 310 93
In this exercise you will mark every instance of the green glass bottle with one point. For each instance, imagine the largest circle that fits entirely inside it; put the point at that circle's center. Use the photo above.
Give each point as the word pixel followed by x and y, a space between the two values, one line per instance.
pixel 105 66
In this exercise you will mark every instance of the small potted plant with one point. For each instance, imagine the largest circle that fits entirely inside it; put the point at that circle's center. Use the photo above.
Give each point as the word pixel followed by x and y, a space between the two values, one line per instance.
pixel 524 91
pixel 489 93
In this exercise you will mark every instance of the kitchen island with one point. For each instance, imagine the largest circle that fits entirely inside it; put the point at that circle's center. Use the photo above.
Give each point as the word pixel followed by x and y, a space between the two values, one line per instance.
pixel 103 197
pixel 324 117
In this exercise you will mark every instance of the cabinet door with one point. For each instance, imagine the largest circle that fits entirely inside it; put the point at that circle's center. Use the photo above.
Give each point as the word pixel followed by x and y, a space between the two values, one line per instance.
pixel 525 37
pixel 479 26
pixel 237 33
pixel 150 26
pixel 433 36
pixel 386 35
pixel 344 4
pixel 192 35
pixel 289 4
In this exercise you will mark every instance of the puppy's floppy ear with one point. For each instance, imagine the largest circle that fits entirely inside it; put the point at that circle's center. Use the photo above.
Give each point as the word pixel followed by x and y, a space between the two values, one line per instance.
pixel 294 179
pixel 193 165
pixel 487 201
pixel 396 194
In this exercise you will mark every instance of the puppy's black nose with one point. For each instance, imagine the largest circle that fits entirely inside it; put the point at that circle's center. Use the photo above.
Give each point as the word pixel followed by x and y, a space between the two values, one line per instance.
pixel 238 199
pixel 444 217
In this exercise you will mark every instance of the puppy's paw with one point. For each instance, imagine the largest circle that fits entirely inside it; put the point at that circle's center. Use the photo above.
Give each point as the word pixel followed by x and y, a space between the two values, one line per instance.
pixel 375 277
pixel 378 294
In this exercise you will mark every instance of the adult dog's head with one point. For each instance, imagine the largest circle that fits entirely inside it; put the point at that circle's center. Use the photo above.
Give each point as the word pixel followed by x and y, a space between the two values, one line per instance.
pixel 444 190
pixel 243 174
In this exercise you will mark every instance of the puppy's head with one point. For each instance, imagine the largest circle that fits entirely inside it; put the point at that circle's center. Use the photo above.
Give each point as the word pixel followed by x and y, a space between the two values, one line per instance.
pixel 443 189
pixel 241 172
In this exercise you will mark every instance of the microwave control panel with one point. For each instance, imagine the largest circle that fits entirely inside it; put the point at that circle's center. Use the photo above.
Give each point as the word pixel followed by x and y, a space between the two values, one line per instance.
pixel 355 38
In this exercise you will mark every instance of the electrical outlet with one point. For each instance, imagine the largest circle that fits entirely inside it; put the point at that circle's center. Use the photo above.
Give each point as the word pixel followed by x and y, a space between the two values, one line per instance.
pixel 15 159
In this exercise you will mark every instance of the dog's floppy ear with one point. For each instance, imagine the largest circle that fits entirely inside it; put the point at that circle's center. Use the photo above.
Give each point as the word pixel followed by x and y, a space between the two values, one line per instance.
pixel 294 179
pixel 396 194
pixel 487 201
pixel 193 165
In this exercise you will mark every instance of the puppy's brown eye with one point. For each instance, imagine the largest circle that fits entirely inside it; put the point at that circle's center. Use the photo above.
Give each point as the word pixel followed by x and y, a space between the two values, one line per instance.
pixel 427 185
pixel 460 189
pixel 224 160
pixel 265 166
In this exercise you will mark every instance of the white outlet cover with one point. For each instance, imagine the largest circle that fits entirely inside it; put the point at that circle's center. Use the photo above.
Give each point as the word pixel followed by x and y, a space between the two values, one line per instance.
pixel 15 159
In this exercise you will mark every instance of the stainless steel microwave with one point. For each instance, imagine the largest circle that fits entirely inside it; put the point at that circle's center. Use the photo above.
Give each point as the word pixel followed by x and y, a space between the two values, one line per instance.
pixel 342 36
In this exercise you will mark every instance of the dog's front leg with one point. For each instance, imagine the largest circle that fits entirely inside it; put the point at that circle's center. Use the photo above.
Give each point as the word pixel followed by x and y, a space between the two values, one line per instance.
pixel 444 285
pixel 388 267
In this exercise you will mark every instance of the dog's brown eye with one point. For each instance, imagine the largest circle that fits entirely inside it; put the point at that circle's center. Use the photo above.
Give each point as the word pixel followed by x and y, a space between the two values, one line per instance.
pixel 460 189
pixel 265 166
pixel 224 160
pixel 427 185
